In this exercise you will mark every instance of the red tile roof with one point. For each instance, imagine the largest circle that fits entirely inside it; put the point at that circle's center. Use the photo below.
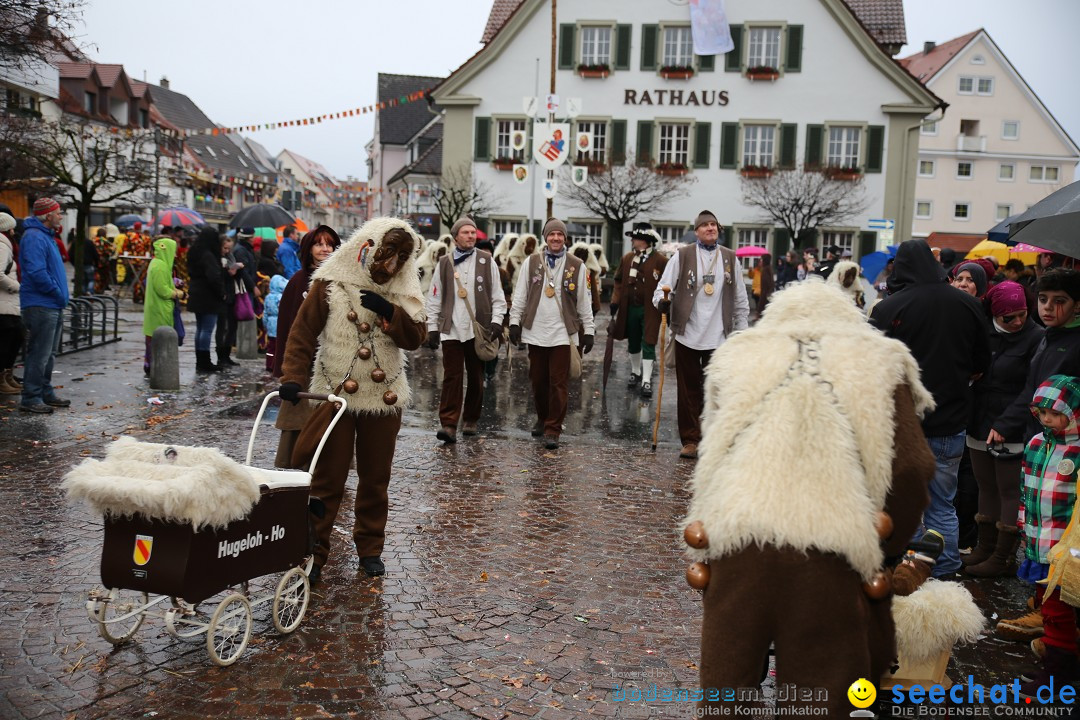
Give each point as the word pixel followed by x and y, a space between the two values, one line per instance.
pixel 925 65
pixel 109 74
pixel 69 70
pixel 960 242
pixel 501 10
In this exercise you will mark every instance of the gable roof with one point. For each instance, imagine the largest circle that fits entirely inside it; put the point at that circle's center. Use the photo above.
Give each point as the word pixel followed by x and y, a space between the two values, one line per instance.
pixel 316 171
pixel 430 163
pixel 398 123
pixel 925 65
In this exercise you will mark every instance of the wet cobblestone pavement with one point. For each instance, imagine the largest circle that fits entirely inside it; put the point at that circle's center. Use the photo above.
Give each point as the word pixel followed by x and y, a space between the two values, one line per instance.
pixel 521 583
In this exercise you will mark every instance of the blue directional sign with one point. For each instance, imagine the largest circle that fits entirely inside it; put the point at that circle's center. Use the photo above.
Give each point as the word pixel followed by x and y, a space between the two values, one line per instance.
pixel 882 224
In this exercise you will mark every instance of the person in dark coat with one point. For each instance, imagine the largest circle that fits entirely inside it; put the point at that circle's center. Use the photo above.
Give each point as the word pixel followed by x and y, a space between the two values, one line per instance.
pixel 946 331
pixel 206 293
pixel 634 318
pixel 235 280
pixel 1014 339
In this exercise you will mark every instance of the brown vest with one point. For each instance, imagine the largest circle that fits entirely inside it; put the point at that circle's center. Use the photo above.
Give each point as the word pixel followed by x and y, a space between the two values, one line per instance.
pixel 687 286
pixel 482 289
pixel 535 270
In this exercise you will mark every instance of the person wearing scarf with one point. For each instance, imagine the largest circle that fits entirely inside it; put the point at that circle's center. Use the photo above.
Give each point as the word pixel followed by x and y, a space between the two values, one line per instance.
pixel 634 318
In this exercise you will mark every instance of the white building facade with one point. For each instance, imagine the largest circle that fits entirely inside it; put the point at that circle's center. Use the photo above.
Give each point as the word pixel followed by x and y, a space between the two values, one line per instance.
pixel 834 97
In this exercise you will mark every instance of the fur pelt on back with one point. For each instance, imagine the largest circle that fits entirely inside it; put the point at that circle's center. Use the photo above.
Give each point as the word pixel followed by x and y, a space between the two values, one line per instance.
pixel 194 485
pixel 797 428
pixel 517 256
pixel 933 619
pixel 601 257
pixel 582 251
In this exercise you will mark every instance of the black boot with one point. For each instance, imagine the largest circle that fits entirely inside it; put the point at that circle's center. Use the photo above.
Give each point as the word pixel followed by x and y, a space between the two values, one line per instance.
pixel 224 361
pixel 202 362
pixel 988 537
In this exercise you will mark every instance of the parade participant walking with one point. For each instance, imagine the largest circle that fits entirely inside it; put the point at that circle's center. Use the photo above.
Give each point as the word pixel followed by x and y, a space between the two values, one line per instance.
pixel 708 303
pixel 466 286
pixel 364 309
pixel 634 318
pixel 11 329
pixel 550 310
pixel 206 296
pixel 791 531
pixel 288 254
pixel 161 293
pixel 946 331
pixel 43 295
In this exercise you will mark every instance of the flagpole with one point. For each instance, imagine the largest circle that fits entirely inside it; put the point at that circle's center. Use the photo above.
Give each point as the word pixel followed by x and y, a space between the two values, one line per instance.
pixel 532 175
pixel 551 115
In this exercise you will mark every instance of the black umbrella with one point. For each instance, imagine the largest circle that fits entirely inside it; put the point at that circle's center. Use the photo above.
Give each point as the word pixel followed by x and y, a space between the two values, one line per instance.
pixel 262 215
pixel 1052 223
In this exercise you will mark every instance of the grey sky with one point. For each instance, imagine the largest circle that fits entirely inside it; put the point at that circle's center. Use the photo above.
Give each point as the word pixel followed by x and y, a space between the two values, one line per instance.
pixel 245 62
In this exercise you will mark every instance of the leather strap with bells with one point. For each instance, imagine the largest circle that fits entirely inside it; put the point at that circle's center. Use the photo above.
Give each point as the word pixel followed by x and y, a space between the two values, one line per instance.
pixel 378 375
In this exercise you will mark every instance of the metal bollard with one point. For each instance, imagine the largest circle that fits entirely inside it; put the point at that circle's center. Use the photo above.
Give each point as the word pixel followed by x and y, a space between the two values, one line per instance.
pixel 247 340
pixel 164 359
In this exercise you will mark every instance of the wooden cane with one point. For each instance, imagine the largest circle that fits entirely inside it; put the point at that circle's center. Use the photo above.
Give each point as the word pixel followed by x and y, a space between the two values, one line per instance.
pixel 663 347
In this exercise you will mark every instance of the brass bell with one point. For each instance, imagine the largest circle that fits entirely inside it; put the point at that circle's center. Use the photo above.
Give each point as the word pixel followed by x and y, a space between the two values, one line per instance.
pixel 879 587
pixel 363 353
pixel 697 575
pixel 389 397
pixel 351 386
pixel 365 327
pixel 695 536
pixel 378 375
pixel 884 525
pixel 351 316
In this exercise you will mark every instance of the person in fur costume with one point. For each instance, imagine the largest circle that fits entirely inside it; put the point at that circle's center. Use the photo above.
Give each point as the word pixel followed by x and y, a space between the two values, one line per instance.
pixel 789 552
pixel 503 248
pixel 363 310
pixel 633 317
pixel 845 275
pixel 581 251
pixel 526 246
pixel 601 257
pixel 430 256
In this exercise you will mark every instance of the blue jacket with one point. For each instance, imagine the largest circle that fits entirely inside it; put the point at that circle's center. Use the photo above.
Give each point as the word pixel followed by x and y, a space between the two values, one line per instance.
pixel 44 281
pixel 271 305
pixel 288 254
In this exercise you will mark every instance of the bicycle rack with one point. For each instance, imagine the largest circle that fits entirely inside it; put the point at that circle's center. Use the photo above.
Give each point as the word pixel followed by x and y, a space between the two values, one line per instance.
pixel 82 317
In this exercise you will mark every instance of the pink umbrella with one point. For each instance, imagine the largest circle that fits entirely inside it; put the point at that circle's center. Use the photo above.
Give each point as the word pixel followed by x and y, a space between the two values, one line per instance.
pixel 1024 247
pixel 751 251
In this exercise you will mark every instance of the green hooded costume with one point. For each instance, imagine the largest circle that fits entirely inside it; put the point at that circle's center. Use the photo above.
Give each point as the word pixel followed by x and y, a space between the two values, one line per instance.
pixel 158 309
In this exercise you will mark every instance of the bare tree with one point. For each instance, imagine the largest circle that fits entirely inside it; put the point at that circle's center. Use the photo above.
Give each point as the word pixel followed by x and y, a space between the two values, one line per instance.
pixel 32 31
pixel 620 193
pixel 803 200
pixel 460 193
pixel 87 165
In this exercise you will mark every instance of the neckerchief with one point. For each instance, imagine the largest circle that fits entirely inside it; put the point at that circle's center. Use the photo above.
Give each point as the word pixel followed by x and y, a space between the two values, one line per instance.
pixel 553 258
pixel 461 256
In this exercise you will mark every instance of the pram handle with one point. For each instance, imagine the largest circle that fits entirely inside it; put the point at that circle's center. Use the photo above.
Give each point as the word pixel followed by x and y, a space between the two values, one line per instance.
pixel 305 396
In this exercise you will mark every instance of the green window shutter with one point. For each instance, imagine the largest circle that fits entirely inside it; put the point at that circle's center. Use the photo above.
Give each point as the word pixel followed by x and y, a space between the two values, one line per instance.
pixel 702 132
pixel 706 63
pixel 867 244
pixel 622 46
pixel 793 56
pixel 649 36
pixel 617 148
pixel 733 58
pixel 729 140
pixel 788 139
pixel 781 242
pixel 644 142
pixel 729 237
pixel 538 226
pixel 875 148
pixel 815 135
pixel 567 51
pixel 481 223
pixel 482 147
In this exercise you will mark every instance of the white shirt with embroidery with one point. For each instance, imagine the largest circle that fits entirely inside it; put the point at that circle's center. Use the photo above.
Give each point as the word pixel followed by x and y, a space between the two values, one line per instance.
pixel 548 328
pixel 704 329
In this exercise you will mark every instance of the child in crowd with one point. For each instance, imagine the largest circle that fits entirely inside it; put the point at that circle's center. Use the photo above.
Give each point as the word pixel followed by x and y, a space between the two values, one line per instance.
pixel 270 317
pixel 1050 464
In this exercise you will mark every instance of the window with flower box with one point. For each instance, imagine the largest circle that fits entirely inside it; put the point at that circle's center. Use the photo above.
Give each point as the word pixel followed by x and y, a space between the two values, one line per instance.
pixel 674 150
pixel 595 46
pixel 503 145
pixel 759 146
pixel 763 48
pixel 844 146
pixel 598 154
pixel 678 47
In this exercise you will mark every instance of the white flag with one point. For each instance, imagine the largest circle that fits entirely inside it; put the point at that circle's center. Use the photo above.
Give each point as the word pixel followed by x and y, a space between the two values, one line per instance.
pixel 709 27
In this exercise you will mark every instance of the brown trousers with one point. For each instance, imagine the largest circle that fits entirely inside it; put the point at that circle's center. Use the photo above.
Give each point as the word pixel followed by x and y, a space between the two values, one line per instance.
pixel 374 438
pixel 812 606
pixel 458 360
pixel 549 373
pixel 690 368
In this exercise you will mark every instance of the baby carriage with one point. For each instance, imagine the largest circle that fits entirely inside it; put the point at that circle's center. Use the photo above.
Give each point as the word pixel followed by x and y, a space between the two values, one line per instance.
pixel 186 524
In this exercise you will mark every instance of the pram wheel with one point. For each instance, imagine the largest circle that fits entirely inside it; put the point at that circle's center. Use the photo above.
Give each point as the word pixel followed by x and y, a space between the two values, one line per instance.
pixel 229 630
pixel 291 600
pixel 120 614
pixel 181 622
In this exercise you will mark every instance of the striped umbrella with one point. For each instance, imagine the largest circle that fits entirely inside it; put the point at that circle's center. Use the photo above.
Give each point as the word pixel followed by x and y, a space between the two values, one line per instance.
pixel 179 216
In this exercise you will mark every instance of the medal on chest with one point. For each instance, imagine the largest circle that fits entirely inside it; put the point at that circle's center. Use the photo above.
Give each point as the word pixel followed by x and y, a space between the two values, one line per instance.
pixel 461 288
pixel 709 287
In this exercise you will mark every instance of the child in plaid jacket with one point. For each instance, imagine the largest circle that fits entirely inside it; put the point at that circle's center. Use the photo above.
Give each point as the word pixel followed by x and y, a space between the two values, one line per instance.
pixel 1051 460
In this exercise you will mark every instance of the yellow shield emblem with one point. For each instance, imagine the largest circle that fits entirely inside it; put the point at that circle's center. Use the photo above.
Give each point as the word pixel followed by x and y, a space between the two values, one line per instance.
pixel 144 544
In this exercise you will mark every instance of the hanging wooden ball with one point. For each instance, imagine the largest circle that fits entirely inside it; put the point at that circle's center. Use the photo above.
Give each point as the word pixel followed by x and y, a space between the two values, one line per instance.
pixel 879 587
pixel 351 316
pixel 695 536
pixel 363 353
pixel 697 575
pixel 389 397
pixel 351 386
pixel 378 375
pixel 365 327
pixel 884 525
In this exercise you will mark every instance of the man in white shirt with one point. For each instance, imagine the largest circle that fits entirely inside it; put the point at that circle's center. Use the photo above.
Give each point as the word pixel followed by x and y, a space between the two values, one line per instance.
pixel 552 306
pixel 467 278
pixel 707 304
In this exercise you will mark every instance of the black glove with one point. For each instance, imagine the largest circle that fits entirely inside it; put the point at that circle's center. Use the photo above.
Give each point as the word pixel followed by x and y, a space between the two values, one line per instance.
pixel 614 309
pixel 664 306
pixel 496 330
pixel 515 334
pixel 433 339
pixel 586 344
pixel 377 304
pixel 290 391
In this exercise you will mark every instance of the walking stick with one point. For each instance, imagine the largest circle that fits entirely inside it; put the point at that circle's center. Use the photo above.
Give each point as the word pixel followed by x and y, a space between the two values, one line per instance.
pixel 663 348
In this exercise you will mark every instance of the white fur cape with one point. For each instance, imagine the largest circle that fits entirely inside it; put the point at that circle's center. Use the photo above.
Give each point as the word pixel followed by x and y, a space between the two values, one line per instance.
pixel 591 263
pixel 797 444
pixel 199 486
pixel 933 619
pixel 601 257
pixel 347 273
pixel 518 256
